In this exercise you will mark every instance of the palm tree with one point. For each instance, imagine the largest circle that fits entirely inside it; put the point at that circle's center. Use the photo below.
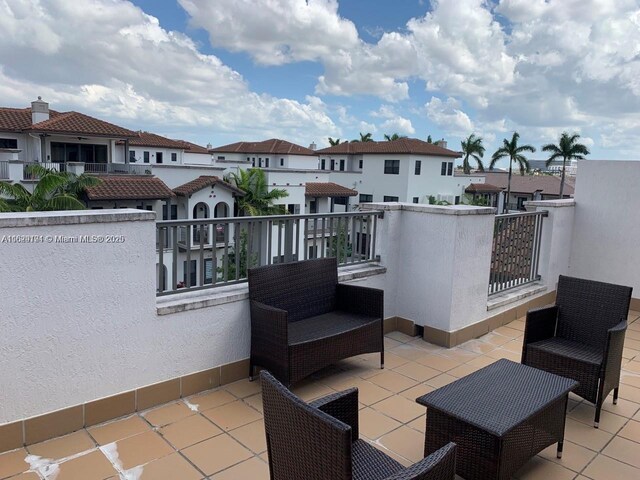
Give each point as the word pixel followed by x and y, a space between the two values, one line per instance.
pixel 472 147
pixel 514 151
pixel 393 137
pixel 429 140
pixel 567 149
pixel 366 137
pixel 333 142
pixel 257 199
pixel 54 191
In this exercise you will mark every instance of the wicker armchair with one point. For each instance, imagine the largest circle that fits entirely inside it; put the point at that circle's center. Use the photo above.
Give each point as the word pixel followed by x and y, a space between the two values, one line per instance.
pixel 581 337
pixel 303 320
pixel 319 441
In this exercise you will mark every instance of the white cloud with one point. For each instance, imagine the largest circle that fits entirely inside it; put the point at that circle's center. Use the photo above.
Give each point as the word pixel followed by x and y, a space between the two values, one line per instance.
pixel 114 61
pixel 393 122
pixel 449 116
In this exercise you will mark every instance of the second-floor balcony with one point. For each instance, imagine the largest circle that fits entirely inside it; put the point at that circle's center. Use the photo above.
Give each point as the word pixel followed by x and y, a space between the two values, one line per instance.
pixel 118 168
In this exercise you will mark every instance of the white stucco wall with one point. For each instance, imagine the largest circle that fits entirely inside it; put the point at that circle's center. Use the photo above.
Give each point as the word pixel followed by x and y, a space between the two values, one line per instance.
pixel 175 175
pixel 607 223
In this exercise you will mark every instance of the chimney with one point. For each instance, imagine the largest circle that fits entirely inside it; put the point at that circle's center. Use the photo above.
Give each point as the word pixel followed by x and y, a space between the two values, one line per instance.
pixel 39 111
pixel 209 146
pixel 313 146
pixel 441 143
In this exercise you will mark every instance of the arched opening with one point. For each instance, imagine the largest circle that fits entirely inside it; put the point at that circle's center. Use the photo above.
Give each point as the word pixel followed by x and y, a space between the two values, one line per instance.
pixel 200 211
pixel 221 211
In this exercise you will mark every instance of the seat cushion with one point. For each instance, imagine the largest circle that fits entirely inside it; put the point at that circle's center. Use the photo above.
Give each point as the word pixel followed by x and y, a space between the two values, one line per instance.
pixel 370 463
pixel 326 325
pixel 568 348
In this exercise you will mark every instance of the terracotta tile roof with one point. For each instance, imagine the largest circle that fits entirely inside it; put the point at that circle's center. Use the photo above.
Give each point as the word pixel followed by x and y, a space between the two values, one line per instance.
pixel 529 184
pixel 204 181
pixel 400 146
pixel 18 119
pixel 75 123
pixel 129 187
pixel 194 148
pixel 147 139
pixel 482 188
pixel 328 189
pixel 272 146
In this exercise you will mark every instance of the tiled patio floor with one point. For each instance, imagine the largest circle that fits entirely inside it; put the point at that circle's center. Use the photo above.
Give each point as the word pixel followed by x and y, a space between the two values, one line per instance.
pixel 219 434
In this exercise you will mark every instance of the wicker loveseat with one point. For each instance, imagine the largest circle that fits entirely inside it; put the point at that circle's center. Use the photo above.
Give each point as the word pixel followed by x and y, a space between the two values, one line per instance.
pixel 319 441
pixel 581 337
pixel 302 319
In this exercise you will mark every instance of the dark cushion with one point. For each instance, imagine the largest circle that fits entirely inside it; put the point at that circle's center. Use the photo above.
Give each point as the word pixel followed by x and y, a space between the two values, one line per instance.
pixel 369 463
pixel 568 348
pixel 326 325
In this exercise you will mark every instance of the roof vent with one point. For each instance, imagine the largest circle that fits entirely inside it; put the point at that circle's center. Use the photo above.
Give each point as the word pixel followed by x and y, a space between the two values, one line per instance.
pixel 313 146
pixel 39 111
pixel 441 143
pixel 209 146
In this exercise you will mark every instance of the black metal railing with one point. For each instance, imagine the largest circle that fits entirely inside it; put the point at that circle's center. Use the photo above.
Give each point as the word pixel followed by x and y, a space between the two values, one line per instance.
pixel 4 169
pixel 207 253
pixel 515 253
pixel 118 168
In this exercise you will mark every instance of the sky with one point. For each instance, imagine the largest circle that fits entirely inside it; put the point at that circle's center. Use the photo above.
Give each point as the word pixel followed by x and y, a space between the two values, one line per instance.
pixel 221 71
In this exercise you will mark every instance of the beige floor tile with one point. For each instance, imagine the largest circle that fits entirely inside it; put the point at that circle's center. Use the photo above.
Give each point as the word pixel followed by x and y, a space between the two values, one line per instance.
pixel 417 371
pixel 441 380
pixel 574 456
pixel 463 370
pixel 624 450
pixel 140 449
pixel 308 391
pixel 609 422
pixel 232 415
pixel 399 336
pixel 513 346
pixel 418 424
pixel 605 468
pixel 508 332
pixel 251 436
pixel 633 366
pixel 630 393
pixel 459 354
pixel 391 360
pixel 410 352
pixel 499 353
pixel 189 431
pixel 631 431
pixel 406 442
pixel 370 393
pixel 63 447
pixel 12 463
pixel 439 362
pixel 254 401
pixel 631 343
pixel 217 454
pixel 633 334
pixel 399 408
pixel 374 424
pixel 243 388
pixel 389 343
pixel 417 391
pixel 213 399
pixel 167 414
pixel 481 361
pixel 586 435
pixel 171 467
pixel 624 407
pixel 254 469
pixel 392 381
pixel 540 469
pixel 495 339
pixel 478 346
pixel 627 378
pixel 628 353
pixel 92 466
pixel 113 431
pixel 30 476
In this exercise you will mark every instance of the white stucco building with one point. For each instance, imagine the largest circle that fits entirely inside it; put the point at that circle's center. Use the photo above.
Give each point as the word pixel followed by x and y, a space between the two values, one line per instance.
pixel 404 170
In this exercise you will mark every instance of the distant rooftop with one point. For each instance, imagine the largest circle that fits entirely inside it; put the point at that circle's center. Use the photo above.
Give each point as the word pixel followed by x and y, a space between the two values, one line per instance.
pixel 545 184
pixel 328 189
pixel 272 146
pixel 204 181
pixel 400 146
pixel 129 187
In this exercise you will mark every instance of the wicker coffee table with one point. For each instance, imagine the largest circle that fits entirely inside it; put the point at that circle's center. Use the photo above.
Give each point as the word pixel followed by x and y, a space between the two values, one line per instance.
pixel 500 417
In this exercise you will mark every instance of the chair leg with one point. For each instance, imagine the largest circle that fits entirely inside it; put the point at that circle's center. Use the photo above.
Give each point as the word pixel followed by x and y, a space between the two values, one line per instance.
pixel 382 360
pixel 251 372
pixel 559 452
pixel 596 421
pixel 615 395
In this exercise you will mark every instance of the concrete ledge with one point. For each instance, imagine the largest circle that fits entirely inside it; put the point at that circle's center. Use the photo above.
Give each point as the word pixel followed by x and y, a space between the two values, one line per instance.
pixel 514 295
pixel 182 302
pixel 73 217
pixel 437 209
pixel 565 202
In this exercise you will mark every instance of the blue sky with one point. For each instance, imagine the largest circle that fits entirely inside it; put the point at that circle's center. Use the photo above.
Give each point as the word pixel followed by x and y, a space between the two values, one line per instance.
pixel 220 71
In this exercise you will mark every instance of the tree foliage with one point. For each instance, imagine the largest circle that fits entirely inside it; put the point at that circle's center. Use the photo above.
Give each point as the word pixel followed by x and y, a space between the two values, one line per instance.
pixel 393 137
pixel 257 198
pixel 567 148
pixel 514 152
pixel 472 148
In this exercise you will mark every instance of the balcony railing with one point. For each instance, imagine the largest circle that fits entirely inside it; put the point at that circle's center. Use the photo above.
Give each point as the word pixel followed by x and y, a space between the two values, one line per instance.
pixel 29 175
pixel 247 242
pixel 4 170
pixel 516 250
pixel 118 168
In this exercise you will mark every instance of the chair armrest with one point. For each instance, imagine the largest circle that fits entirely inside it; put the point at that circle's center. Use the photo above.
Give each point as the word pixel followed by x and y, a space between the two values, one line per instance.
pixel 612 359
pixel 440 465
pixel 363 300
pixel 540 325
pixel 269 324
pixel 342 406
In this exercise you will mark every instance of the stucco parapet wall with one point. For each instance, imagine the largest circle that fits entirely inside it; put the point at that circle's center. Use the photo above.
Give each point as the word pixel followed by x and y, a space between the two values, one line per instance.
pixel 567 202
pixel 181 166
pixel 295 170
pixel 437 209
pixel 73 217
pixel 182 302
